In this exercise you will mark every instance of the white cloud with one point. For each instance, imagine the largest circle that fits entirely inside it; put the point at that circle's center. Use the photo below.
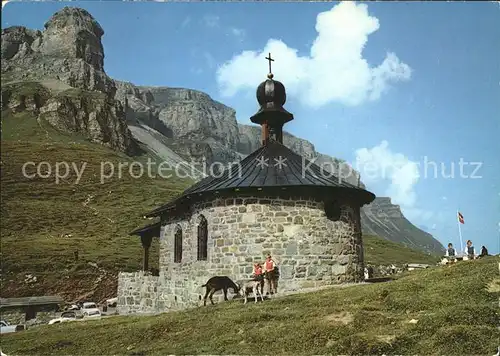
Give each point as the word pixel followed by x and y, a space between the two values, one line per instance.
pixel 379 163
pixel 399 176
pixel 211 20
pixel 334 71
pixel 239 33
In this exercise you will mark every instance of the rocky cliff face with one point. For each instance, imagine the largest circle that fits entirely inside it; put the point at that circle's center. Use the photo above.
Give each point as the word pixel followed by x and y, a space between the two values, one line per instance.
pixel 385 219
pixel 201 125
pixel 90 114
pixel 69 50
pixel 74 33
pixel 59 74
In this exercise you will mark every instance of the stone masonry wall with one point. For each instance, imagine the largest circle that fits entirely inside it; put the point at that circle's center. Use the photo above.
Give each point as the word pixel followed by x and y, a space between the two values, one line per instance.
pixel 137 293
pixel 311 250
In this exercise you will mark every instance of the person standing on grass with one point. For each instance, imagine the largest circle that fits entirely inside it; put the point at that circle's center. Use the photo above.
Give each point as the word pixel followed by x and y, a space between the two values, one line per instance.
pixel 258 275
pixel 270 273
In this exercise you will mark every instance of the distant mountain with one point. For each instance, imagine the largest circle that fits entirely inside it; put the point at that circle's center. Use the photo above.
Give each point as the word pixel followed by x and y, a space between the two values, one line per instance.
pixel 385 219
pixel 198 126
pixel 58 75
pixel 423 227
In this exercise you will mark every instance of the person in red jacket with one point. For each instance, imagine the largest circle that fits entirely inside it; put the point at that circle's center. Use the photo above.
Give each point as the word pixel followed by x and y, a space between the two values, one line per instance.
pixel 258 275
pixel 269 264
pixel 257 271
pixel 270 273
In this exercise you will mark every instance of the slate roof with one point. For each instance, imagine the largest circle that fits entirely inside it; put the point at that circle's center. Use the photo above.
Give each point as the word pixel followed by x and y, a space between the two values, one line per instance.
pixel 262 169
pixel 151 229
pixel 29 301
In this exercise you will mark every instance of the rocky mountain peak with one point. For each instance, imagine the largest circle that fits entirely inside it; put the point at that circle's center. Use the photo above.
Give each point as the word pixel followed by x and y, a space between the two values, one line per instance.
pixel 58 75
pixel 68 50
pixel 74 17
pixel 74 33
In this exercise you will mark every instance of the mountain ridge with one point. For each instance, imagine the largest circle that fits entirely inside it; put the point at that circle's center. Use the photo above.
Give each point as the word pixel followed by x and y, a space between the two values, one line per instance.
pixel 183 126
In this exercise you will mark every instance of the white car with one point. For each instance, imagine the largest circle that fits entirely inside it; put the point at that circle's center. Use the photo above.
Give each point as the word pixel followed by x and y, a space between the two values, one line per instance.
pixel 90 310
pixel 65 317
pixel 6 328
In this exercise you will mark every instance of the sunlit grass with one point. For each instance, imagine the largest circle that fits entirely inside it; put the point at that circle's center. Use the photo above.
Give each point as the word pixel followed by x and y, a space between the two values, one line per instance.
pixel 455 314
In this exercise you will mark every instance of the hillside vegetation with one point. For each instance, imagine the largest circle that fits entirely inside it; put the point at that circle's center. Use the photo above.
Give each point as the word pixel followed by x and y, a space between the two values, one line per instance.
pixel 379 251
pixel 449 310
pixel 44 221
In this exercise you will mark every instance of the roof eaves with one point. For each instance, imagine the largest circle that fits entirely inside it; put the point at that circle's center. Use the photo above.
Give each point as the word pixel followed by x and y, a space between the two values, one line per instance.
pixel 146 228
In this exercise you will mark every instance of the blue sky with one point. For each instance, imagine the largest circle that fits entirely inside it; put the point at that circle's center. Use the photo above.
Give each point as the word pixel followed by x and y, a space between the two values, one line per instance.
pixel 434 97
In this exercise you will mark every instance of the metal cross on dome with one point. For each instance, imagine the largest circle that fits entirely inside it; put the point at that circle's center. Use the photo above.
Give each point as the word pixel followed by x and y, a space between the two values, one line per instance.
pixel 270 60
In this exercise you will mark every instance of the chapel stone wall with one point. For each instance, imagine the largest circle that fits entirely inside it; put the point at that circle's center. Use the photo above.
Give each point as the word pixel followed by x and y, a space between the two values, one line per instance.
pixel 311 250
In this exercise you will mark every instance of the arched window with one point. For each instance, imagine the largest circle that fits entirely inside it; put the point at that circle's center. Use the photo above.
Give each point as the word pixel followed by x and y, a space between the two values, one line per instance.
pixel 332 210
pixel 202 239
pixel 178 244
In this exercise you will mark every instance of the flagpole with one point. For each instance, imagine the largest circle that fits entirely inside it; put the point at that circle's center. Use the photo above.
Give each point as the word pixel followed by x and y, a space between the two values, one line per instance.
pixel 460 232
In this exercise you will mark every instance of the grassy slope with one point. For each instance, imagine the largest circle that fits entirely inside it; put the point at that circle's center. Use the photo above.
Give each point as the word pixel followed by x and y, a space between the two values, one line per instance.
pixel 383 252
pixel 456 313
pixel 38 216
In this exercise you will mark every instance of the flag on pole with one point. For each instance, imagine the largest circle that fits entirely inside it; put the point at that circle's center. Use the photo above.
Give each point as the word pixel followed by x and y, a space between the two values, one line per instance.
pixel 460 218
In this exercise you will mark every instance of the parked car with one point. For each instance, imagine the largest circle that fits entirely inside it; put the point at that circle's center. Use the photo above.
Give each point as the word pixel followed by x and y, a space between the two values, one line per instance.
pixel 90 310
pixel 6 328
pixel 111 303
pixel 65 317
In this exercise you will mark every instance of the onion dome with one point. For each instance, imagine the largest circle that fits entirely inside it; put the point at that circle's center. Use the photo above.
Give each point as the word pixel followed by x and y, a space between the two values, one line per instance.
pixel 271 96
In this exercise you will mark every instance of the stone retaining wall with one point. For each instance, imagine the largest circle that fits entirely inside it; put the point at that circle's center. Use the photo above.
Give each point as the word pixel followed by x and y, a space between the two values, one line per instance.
pixel 137 293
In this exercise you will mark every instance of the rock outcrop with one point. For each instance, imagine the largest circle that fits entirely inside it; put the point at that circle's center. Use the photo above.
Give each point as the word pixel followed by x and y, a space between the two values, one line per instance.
pixel 382 218
pixel 199 124
pixel 59 74
pixel 91 114
pixel 69 50
pixel 74 33
pixel 17 41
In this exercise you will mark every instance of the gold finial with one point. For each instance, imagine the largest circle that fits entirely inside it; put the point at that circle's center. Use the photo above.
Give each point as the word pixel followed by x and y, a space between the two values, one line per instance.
pixel 270 75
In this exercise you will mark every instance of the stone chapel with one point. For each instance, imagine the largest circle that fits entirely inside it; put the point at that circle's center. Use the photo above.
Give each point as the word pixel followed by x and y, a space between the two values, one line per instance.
pixel 274 201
